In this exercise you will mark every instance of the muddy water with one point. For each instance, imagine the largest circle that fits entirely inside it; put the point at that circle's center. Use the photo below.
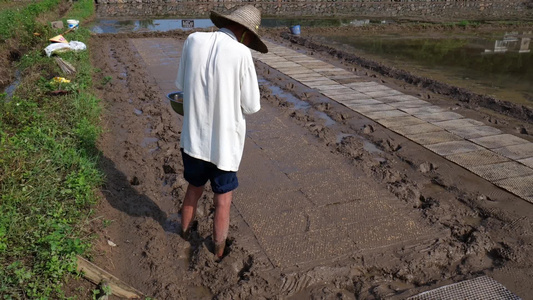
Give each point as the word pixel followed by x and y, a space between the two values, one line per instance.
pixel 277 91
pixel 10 89
pixel 147 25
pixel 495 63
pixel 296 103
pixel 307 22
pixel 105 25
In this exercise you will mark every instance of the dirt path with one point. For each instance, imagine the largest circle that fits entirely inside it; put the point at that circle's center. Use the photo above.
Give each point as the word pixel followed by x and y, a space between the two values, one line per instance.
pixel 331 204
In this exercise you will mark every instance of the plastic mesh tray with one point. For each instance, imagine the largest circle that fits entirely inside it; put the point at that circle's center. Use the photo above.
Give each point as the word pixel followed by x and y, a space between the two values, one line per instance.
pixel 481 288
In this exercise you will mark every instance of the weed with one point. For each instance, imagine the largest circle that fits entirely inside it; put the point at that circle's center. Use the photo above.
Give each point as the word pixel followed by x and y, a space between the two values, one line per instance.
pixel 106 79
pixel 463 23
pixel 466 23
pixel 105 223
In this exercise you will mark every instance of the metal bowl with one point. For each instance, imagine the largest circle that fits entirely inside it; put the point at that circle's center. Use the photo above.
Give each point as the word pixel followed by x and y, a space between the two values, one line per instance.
pixel 176 101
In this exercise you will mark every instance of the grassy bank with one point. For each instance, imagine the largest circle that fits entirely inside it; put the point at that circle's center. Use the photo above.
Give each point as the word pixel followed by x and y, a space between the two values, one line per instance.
pixel 22 21
pixel 48 173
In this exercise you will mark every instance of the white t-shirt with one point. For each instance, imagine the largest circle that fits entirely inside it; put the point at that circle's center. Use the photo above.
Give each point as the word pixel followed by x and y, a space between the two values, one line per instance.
pixel 219 83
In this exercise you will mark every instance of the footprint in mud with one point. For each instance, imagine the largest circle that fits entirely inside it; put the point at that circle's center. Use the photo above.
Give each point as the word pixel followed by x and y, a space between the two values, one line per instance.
pixel 135 181
pixel 391 176
pixel 408 193
pixel 168 169
pixel 173 223
pixel 426 167
pixel 391 145
pixel 203 256
pixel 367 129
pixel 339 117
pixel 495 121
pixel 289 86
pixel 323 107
pixel 521 130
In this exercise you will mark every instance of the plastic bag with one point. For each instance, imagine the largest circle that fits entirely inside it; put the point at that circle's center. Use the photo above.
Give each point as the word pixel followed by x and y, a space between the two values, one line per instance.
pixel 62 47
pixel 56 47
pixel 60 80
pixel 77 46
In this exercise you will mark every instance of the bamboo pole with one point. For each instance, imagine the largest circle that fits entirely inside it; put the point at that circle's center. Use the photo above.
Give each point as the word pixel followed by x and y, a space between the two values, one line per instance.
pixel 95 274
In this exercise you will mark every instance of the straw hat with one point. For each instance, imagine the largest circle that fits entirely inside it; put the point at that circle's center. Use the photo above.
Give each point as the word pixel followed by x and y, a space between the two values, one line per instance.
pixel 247 16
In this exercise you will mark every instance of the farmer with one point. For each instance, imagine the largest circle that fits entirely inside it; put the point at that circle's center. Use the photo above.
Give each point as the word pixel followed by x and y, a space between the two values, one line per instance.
pixel 219 83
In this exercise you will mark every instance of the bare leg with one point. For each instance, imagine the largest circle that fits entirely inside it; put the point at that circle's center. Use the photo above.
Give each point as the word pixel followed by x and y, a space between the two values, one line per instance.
pixel 221 222
pixel 188 210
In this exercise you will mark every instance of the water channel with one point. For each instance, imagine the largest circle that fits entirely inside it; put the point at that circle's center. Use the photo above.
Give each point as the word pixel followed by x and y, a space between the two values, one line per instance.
pixel 496 63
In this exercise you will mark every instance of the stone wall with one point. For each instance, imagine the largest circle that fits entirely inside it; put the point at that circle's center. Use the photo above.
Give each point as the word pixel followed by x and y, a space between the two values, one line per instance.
pixel 420 9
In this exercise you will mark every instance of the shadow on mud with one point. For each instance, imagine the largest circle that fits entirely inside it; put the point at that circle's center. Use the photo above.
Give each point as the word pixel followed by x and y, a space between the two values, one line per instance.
pixel 120 193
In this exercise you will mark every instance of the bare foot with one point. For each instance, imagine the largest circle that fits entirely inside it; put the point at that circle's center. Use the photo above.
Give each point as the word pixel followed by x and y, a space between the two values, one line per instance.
pixel 219 250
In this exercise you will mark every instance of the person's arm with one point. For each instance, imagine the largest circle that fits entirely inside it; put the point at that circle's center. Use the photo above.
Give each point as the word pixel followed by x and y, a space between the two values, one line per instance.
pixel 180 79
pixel 250 89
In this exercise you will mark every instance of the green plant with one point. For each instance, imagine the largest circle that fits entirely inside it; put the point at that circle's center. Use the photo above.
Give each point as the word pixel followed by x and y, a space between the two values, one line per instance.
pixel 106 79
pixel 95 294
pixel 107 290
pixel 466 23
pixel 106 223
pixel 103 290
pixel 463 23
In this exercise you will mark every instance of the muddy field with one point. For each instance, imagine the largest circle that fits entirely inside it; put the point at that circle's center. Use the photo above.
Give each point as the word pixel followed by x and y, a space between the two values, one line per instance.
pixel 481 229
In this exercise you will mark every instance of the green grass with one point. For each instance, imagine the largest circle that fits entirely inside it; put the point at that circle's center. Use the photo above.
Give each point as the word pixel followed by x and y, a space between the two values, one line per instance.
pixel 82 10
pixel 463 24
pixel 21 21
pixel 48 167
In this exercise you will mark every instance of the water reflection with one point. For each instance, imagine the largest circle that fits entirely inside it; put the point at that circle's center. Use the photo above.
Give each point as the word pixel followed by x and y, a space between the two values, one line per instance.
pixel 147 25
pixel 10 89
pixel 305 22
pixel 512 41
pixel 277 91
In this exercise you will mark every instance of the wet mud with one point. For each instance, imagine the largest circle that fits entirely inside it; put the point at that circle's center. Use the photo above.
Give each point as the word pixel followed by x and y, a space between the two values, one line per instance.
pixel 481 228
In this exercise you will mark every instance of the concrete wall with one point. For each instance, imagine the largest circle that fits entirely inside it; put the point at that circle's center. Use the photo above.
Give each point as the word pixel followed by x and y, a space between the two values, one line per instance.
pixel 421 9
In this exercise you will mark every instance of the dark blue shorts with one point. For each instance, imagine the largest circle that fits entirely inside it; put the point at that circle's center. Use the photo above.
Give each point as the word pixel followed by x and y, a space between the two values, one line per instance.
pixel 197 172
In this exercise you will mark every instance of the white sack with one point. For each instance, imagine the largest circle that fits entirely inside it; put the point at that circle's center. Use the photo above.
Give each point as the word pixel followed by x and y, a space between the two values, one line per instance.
pixel 62 47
